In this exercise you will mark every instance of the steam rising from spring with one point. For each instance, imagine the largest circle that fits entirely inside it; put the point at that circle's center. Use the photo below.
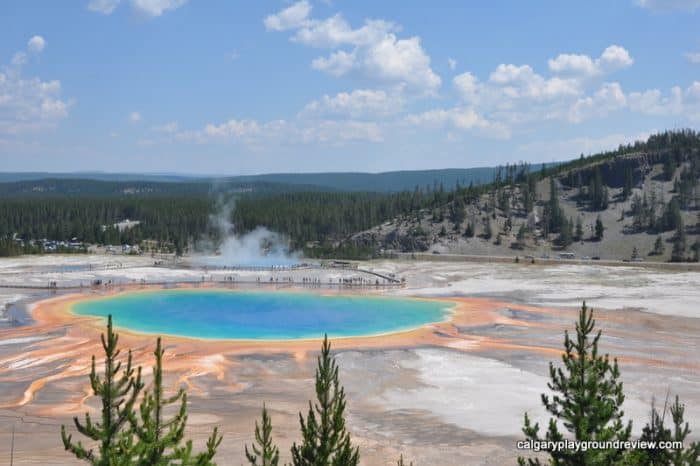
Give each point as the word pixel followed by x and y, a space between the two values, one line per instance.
pixel 260 247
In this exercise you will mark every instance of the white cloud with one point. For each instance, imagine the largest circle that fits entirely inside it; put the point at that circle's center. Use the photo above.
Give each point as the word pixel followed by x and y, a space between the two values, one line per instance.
pixel 156 7
pixel 669 5
pixel 693 91
pixel 254 134
pixel 335 31
pixel 134 117
pixel 336 64
pixel 335 133
pixel 605 100
pixel 359 103
pixel 693 57
pixel 613 58
pixel 652 102
pixel 516 95
pixel 467 86
pixel 151 8
pixel 232 128
pixel 106 7
pixel 522 82
pixel 371 51
pixel 458 118
pixel 452 63
pixel 678 102
pixel 29 104
pixel 291 17
pixel 36 44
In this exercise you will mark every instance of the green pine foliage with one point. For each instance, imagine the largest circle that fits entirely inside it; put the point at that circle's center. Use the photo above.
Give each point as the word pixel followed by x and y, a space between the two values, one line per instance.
pixel 118 390
pixel 128 439
pixel 160 441
pixel 264 452
pixel 587 400
pixel 659 246
pixel 657 431
pixel 325 440
pixel 599 228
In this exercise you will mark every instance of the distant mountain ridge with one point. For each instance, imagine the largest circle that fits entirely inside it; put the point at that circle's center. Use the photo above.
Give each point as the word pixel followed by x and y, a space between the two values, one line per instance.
pixel 392 181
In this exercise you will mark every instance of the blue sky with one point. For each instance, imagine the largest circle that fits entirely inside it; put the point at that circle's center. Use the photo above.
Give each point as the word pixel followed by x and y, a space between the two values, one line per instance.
pixel 231 87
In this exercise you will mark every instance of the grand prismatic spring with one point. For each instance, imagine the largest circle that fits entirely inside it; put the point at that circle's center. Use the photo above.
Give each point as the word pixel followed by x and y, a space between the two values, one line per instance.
pixel 253 315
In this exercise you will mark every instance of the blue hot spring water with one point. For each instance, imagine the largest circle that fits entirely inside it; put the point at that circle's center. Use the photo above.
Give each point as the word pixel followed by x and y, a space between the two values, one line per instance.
pixel 255 315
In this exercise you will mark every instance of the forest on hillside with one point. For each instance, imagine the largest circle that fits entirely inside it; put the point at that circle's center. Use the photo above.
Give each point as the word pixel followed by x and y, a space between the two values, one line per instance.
pixel 322 222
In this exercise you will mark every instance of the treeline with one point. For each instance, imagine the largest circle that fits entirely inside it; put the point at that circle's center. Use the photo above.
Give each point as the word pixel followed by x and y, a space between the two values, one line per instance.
pixel 172 220
pixel 678 143
pixel 326 220
pixel 328 217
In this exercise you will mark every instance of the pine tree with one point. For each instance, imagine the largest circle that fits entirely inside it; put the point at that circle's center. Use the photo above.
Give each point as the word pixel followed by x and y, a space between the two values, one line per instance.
pixel 627 187
pixel 187 458
pixel 579 229
pixel 656 431
pixel 659 246
pixel 565 235
pixel 679 244
pixel 587 400
pixel 118 395
pixel 599 229
pixel 488 231
pixel 325 441
pixel 264 453
pixel 688 455
pixel 469 230
pixel 159 440
pixel 552 210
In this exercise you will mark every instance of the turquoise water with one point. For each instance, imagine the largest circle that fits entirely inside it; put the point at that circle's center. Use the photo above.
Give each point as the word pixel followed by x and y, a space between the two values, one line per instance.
pixel 253 315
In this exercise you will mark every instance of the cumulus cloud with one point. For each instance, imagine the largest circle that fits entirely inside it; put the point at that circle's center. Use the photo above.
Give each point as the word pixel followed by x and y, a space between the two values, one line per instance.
pixel 106 7
pixel 516 94
pixel 373 50
pixel 134 117
pixel 460 118
pixel 605 100
pixel 29 104
pixel 669 5
pixel 613 58
pixel 360 103
pixel 35 45
pixel 150 8
pixel 254 134
pixel 522 82
pixel 693 57
pixel 291 17
pixel 336 133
